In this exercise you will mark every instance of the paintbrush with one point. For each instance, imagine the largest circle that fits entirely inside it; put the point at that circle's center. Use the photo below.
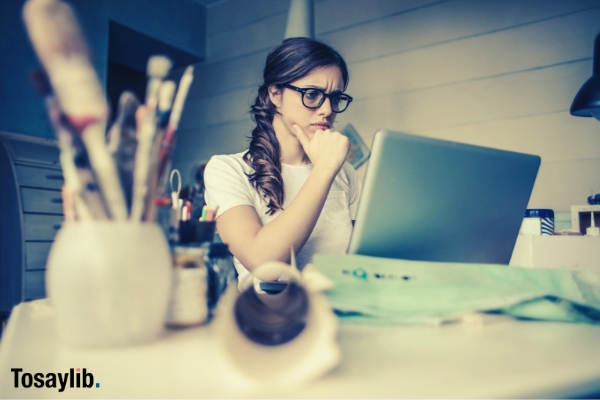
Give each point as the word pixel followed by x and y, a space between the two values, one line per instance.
pixel 165 100
pixel 169 139
pixel 123 142
pixel 157 69
pixel 60 46
pixel 79 177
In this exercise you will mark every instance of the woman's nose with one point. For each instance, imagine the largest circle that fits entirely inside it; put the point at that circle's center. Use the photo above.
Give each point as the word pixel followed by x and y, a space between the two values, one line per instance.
pixel 325 108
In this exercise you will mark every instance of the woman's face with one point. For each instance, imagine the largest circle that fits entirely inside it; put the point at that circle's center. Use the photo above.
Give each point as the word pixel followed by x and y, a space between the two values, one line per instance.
pixel 289 102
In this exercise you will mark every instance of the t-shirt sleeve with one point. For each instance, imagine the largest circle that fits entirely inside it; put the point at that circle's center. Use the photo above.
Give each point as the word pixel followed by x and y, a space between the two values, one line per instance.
pixel 355 189
pixel 226 184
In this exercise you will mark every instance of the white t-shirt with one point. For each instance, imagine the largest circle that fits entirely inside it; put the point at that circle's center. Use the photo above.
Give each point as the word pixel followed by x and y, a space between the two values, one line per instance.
pixel 227 186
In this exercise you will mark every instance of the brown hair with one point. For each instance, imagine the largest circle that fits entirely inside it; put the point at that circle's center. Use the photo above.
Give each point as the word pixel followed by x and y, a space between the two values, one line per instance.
pixel 290 61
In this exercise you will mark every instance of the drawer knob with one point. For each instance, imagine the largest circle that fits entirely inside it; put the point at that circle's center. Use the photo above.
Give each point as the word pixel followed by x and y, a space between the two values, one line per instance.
pixel 56 227
pixel 55 177
pixel 56 200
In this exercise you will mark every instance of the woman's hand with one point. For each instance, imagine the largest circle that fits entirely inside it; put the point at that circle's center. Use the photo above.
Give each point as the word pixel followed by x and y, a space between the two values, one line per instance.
pixel 327 149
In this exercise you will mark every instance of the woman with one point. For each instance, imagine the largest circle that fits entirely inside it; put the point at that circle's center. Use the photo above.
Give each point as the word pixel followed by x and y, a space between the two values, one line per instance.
pixel 291 188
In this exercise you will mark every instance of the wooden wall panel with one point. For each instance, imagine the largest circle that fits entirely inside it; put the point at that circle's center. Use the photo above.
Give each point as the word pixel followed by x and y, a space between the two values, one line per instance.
pixel 494 73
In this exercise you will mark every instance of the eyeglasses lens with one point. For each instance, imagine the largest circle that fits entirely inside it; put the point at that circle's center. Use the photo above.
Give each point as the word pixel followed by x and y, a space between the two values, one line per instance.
pixel 313 98
pixel 339 103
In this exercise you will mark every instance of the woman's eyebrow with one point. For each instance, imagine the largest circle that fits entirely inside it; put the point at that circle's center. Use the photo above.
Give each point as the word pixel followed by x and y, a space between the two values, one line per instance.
pixel 314 87
pixel 322 88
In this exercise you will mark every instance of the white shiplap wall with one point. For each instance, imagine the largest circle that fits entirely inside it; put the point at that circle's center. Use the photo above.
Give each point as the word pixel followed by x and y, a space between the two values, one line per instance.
pixel 495 73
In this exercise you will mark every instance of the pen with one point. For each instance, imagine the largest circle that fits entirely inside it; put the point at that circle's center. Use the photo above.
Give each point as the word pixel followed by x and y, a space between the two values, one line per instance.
pixel 211 213
pixel 186 211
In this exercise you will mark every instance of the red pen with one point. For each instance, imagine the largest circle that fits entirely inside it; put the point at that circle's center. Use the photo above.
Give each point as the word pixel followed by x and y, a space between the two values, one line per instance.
pixel 186 211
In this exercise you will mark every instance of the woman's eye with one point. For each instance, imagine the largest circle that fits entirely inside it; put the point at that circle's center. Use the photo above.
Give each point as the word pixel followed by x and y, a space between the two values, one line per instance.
pixel 312 94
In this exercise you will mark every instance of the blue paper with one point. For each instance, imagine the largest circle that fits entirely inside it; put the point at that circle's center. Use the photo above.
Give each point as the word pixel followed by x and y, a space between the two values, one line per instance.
pixel 382 290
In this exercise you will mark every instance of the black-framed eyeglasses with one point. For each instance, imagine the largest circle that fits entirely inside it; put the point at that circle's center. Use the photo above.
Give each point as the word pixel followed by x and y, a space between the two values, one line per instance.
pixel 313 98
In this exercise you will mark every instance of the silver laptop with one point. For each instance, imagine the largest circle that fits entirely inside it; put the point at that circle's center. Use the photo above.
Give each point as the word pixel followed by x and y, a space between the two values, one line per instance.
pixel 435 200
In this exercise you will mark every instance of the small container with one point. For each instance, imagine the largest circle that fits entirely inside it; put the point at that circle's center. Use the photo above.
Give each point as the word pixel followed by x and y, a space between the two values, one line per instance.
pixel 538 221
pixel 194 231
pixel 188 305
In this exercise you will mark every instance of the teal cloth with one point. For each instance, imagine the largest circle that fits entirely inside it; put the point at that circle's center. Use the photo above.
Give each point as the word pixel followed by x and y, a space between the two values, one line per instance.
pixel 383 290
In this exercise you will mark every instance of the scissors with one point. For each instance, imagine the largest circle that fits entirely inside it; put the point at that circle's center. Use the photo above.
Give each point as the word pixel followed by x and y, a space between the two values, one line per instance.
pixel 175 176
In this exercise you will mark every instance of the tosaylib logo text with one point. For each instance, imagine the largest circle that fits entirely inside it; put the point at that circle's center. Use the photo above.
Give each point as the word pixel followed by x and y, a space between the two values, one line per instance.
pixel 75 378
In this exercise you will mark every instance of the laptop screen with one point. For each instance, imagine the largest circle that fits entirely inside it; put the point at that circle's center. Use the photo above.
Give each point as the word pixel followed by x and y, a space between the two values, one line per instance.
pixel 436 200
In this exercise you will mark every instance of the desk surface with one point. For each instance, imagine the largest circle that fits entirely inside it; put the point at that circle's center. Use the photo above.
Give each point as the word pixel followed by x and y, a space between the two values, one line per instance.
pixel 499 358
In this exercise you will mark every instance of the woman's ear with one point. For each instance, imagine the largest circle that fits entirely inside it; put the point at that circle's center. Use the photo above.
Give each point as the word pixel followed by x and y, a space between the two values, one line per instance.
pixel 275 95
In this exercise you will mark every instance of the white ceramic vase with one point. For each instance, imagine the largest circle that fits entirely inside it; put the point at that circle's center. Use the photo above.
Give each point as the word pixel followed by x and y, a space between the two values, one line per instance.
pixel 109 283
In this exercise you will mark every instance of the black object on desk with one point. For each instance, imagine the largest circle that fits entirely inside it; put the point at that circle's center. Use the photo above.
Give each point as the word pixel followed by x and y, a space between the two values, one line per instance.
pixel 222 272
pixel 196 231
pixel 273 287
pixel 268 325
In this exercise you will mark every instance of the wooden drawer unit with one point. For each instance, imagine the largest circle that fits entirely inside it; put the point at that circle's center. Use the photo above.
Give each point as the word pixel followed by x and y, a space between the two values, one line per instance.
pixel 40 226
pixel 39 177
pixel 34 285
pixel 36 254
pixel 31 215
pixel 41 201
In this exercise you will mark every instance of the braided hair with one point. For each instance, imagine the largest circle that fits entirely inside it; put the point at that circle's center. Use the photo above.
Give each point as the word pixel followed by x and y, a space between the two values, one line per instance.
pixel 292 60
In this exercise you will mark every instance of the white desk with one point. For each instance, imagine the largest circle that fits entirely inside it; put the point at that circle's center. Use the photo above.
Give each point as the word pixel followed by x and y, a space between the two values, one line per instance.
pixel 501 358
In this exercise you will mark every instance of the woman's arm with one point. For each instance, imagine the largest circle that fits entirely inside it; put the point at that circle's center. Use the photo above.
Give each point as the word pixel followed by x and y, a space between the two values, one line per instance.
pixel 254 244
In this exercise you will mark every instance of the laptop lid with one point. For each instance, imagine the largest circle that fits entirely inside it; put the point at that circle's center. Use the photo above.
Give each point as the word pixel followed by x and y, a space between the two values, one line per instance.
pixel 436 200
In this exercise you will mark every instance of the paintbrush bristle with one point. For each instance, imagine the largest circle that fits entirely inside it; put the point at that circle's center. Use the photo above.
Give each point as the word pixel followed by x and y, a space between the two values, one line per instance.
pixel 128 103
pixel 53 29
pixel 158 67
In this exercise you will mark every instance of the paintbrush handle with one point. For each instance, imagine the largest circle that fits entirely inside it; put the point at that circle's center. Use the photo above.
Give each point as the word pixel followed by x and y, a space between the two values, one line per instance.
pixel 59 43
pixel 62 49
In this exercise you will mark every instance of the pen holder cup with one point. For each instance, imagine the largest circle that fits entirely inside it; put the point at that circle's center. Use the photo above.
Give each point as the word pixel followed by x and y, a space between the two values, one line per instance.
pixel 109 283
pixel 196 231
